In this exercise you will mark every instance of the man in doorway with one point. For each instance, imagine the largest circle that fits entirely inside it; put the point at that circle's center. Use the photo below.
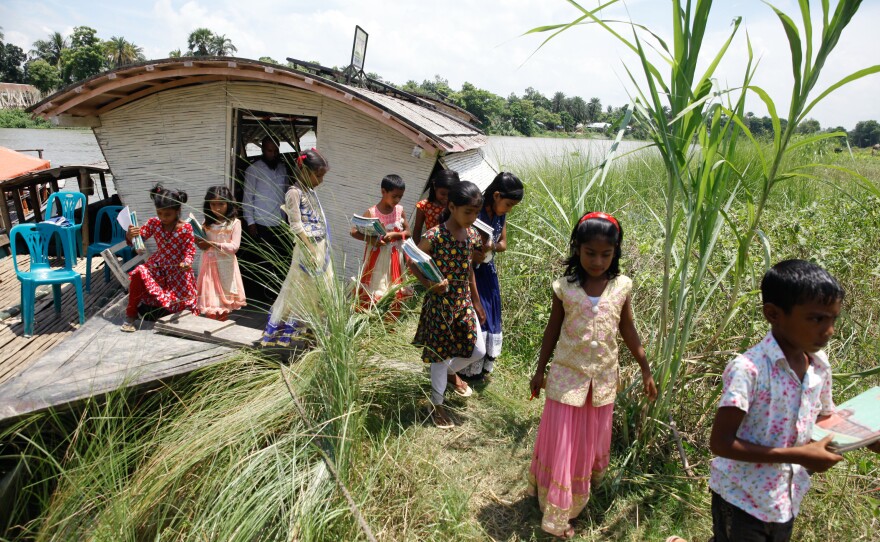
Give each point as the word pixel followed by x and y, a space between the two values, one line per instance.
pixel 268 245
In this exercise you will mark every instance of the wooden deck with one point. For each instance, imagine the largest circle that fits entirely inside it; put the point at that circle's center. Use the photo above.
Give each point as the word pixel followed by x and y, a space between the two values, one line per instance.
pixel 17 353
pixel 99 358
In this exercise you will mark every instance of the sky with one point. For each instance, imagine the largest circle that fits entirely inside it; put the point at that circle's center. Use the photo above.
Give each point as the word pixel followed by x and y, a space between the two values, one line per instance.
pixel 483 42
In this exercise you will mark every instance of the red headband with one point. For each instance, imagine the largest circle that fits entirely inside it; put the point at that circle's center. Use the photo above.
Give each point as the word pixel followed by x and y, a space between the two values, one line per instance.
pixel 598 214
pixel 302 157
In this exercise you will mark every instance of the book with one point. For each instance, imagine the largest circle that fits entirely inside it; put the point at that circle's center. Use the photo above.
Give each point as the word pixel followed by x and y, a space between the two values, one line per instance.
pixel 421 260
pixel 484 228
pixel 854 424
pixel 58 221
pixel 137 243
pixel 198 230
pixel 371 227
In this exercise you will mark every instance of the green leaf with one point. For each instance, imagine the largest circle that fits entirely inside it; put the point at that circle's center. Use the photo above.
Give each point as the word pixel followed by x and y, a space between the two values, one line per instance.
pixel 846 80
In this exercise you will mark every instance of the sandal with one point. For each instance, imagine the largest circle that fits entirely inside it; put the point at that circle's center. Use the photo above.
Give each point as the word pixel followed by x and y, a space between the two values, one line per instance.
pixel 128 327
pixel 567 534
pixel 675 539
pixel 467 392
pixel 441 421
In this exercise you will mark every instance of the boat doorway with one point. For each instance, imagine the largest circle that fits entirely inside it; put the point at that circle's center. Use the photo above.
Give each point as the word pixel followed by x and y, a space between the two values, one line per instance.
pixel 292 132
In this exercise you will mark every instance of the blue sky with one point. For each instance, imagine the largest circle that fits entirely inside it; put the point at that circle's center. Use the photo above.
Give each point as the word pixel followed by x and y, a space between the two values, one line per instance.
pixel 463 40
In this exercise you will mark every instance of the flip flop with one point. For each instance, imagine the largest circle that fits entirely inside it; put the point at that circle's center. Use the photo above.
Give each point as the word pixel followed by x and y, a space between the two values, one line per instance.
pixel 468 391
pixel 128 327
pixel 675 539
pixel 441 421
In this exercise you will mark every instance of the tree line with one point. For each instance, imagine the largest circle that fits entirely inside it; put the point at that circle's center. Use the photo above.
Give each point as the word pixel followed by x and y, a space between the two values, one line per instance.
pixel 61 60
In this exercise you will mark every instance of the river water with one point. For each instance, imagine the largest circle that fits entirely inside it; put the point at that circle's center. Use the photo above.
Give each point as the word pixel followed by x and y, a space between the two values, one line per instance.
pixel 77 147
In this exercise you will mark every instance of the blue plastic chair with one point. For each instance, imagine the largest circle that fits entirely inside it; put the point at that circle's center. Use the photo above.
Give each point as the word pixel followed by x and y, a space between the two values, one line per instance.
pixel 69 202
pixel 38 237
pixel 117 235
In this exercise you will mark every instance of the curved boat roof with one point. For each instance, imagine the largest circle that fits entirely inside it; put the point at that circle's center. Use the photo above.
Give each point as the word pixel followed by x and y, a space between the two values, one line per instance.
pixel 427 125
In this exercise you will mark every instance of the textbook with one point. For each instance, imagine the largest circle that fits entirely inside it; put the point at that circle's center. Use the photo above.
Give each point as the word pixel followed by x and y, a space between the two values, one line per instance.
pixel 126 219
pixel 483 228
pixel 58 221
pixel 198 231
pixel 424 262
pixel 371 227
pixel 854 424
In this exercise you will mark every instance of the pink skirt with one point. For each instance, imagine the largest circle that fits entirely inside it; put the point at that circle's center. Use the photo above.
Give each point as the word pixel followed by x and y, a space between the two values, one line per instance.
pixel 220 288
pixel 572 446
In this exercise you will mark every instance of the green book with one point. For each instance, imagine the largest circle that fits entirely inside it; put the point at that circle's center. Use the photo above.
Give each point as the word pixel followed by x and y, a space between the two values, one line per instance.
pixel 854 424
pixel 198 231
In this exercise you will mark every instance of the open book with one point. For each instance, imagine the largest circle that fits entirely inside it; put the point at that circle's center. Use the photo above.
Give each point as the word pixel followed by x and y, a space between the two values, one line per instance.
pixel 855 423
pixel 198 231
pixel 424 262
pixel 371 227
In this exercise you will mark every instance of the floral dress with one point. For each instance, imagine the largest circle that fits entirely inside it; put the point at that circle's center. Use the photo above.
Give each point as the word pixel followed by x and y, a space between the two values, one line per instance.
pixel 448 323
pixel 167 284
pixel 383 265
pixel 432 211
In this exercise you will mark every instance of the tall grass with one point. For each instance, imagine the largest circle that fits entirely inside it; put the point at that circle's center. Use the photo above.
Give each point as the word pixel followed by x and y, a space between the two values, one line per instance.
pixel 710 195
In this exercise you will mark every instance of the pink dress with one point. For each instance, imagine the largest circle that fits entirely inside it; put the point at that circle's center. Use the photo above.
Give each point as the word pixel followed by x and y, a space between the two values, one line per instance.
pixel 383 265
pixel 574 436
pixel 167 284
pixel 220 286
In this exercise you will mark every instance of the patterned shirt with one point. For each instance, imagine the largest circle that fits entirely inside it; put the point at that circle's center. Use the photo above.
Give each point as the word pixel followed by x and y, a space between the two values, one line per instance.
pixel 587 349
pixel 304 213
pixel 432 211
pixel 780 412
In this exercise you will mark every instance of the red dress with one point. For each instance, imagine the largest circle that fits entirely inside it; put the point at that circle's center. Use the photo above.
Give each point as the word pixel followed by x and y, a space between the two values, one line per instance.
pixel 383 265
pixel 167 284
pixel 432 211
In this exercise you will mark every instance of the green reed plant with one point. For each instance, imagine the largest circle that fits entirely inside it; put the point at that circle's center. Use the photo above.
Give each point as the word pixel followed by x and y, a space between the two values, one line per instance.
pixel 708 196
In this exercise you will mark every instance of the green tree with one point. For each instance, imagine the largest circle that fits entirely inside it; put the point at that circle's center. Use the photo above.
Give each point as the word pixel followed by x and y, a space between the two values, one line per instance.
pixel 568 122
pixel 222 46
pixel 200 42
pixel 577 108
pixel 175 54
pixel 865 134
pixel 538 99
pixel 85 56
pixel 43 75
pixel 809 126
pixel 50 49
pixel 522 116
pixel 11 59
pixel 268 60
pixel 550 120
pixel 480 103
pixel 558 102
pixel 594 109
pixel 120 52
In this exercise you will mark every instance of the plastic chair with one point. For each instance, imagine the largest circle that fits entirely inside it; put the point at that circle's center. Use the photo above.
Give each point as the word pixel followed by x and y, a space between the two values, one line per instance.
pixel 69 202
pixel 38 237
pixel 117 235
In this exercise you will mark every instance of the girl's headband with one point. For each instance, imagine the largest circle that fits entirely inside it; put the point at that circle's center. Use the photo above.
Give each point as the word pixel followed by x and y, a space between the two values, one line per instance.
pixel 598 214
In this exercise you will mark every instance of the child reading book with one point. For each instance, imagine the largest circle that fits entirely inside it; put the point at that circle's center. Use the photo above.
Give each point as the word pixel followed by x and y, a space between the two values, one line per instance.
pixel 383 259
pixel 771 397
pixel 220 288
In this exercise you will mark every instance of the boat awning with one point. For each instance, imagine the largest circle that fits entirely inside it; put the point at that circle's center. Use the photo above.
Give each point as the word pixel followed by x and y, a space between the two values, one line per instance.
pixel 14 164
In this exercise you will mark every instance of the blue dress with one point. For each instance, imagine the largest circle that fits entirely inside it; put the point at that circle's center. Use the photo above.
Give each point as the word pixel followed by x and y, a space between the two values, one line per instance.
pixel 486 276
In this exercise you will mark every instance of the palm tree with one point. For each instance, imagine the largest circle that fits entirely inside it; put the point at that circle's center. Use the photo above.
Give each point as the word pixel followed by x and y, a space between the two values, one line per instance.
pixel 222 46
pixel 120 52
pixel 50 49
pixel 200 42
pixel 594 109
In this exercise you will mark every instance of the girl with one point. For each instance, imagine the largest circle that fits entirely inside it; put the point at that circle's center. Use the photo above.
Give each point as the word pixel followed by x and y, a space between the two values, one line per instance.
pixel 428 211
pixel 449 326
pixel 383 260
pixel 166 279
pixel 220 287
pixel 505 192
pixel 591 303
pixel 310 271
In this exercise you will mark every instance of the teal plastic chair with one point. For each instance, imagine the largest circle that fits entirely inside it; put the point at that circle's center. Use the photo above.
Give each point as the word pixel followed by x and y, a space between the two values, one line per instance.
pixel 117 235
pixel 38 237
pixel 69 201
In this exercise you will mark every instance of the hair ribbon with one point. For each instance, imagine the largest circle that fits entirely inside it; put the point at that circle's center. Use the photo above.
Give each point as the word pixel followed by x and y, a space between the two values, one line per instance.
pixel 599 214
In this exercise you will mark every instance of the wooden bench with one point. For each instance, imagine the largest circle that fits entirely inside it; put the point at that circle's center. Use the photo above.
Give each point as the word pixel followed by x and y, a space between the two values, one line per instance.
pixel 121 270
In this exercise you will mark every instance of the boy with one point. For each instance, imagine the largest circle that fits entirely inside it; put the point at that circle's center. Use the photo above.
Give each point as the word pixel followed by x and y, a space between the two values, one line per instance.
pixel 771 397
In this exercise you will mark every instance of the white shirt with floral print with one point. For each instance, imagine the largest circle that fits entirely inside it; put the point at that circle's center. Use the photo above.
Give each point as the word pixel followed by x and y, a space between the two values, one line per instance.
pixel 780 413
